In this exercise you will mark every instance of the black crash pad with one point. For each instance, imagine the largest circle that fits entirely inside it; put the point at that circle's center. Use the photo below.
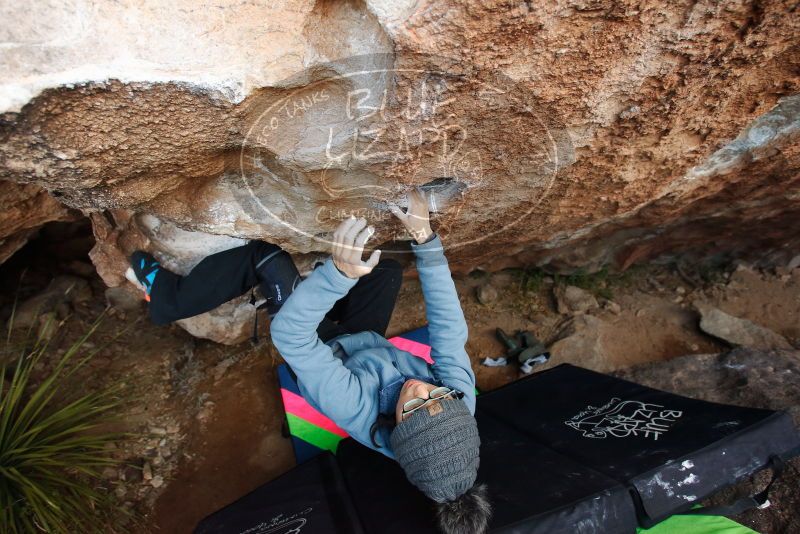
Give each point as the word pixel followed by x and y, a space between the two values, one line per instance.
pixel 671 450
pixel 566 450
pixel 309 498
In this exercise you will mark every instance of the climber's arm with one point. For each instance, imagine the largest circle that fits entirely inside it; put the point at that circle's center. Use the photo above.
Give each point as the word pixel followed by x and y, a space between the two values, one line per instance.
pixel 337 392
pixel 446 324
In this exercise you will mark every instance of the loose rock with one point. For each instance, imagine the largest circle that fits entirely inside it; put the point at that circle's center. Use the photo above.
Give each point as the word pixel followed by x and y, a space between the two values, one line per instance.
pixel 737 331
pixel 573 300
pixel 147 472
pixel 132 471
pixel 109 473
pixel 612 306
pixel 486 294
pixel 48 325
pixel 580 342
pixel 123 298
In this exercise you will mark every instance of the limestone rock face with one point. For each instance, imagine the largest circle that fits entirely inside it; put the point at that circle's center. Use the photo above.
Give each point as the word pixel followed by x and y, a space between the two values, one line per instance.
pixel 566 134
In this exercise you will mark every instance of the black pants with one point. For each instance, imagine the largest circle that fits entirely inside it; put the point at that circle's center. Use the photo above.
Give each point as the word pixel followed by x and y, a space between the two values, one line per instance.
pixel 215 280
pixel 231 273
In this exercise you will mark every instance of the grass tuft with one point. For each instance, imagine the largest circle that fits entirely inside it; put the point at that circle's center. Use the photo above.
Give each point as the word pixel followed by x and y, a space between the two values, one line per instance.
pixel 52 448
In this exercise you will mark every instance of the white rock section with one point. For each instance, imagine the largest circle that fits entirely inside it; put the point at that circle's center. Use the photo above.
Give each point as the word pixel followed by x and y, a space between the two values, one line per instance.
pixel 216 46
pixel 395 15
pixel 756 141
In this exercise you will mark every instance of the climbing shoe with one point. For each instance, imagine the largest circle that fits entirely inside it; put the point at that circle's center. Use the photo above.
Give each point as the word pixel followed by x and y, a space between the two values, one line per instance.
pixel 145 267
pixel 513 345
pixel 278 277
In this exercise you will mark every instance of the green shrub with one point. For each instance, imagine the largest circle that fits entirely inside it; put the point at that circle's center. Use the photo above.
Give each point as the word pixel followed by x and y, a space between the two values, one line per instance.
pixel 51 446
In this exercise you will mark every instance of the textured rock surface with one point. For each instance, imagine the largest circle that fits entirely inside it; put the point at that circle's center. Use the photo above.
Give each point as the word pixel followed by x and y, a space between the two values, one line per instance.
pixel 571 134
pixel 745 377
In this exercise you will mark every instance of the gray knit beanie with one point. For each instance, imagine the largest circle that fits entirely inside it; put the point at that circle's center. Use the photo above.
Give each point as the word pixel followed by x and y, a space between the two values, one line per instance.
pixel 439 452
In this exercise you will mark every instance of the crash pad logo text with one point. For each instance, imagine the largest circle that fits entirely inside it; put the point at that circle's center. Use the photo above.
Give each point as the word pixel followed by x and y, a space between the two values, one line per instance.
pixel 621 419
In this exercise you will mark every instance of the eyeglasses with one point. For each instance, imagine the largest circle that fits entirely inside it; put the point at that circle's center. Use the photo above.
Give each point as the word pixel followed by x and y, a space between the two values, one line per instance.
pixel 439 393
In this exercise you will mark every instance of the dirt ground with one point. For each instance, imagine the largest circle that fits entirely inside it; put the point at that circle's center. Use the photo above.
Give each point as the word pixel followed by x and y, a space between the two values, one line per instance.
pixel 206 419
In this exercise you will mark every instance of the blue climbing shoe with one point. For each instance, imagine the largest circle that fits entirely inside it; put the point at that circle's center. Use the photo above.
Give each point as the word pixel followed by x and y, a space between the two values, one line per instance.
pixel 145 267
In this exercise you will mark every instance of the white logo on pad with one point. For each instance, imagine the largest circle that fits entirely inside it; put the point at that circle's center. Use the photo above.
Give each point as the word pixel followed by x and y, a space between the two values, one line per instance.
pixel 620 419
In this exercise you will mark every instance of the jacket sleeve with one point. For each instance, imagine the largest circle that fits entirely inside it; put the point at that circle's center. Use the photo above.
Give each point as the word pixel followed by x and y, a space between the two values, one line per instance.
pixel 336 390
pixel 446 324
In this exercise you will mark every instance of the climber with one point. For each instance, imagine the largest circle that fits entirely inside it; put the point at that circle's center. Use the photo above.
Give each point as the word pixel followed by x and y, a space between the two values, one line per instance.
pixel 418 414
pixel 330 329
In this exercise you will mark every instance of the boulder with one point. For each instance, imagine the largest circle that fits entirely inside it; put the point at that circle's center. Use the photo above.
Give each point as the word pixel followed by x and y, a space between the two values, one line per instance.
pixel 737 331
pixel 743 376
pixel 559 134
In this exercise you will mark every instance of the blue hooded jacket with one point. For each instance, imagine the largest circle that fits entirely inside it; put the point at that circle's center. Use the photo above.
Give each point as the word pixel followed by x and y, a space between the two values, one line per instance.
pixel 355 377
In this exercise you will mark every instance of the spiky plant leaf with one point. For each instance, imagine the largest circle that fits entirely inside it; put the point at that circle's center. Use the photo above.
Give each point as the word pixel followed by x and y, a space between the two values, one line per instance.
pixel 51 449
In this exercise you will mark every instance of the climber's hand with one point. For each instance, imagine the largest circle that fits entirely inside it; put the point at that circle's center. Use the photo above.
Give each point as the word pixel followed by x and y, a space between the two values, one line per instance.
pixel 416 219
pixel 348 246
